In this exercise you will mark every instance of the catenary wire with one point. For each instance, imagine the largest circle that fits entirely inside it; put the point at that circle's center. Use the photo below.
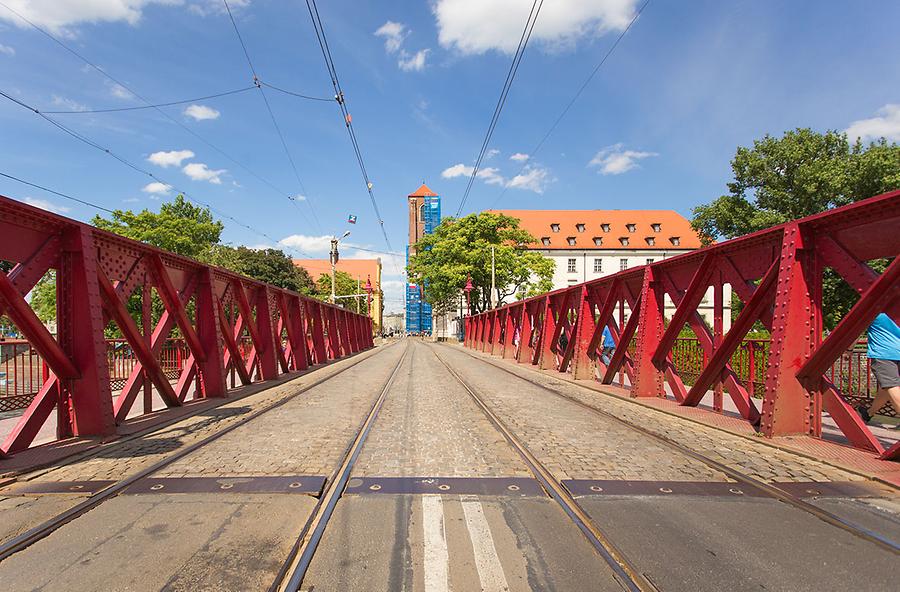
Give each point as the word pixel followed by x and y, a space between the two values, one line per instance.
pixel 84 139
pixel 294 94
pixel 348 121
pixel 287 152
pixel 504 93
pixel 138 96
pixel 169 104
pixel 575 97
pixel 54 192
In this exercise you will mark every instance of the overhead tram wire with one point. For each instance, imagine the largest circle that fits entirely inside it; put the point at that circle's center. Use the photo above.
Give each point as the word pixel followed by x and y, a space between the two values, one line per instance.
pixel 84 139
pixel 504 93
pixel 576 96
pixel 169 104
pixel 138 96
pixel 342 103
pixel 258 83
pixel 58 193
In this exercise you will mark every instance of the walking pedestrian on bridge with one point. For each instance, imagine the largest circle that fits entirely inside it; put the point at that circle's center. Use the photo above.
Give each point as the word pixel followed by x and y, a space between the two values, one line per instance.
pixel 884 353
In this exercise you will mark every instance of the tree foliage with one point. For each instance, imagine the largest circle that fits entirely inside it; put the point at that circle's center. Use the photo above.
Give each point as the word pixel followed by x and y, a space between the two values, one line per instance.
pixel 460 248
pixel 801 173
pixel 344 285
pixel 267 265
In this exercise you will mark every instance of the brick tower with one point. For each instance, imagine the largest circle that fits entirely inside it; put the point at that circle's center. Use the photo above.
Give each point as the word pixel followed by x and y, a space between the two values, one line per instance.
pixel 424 216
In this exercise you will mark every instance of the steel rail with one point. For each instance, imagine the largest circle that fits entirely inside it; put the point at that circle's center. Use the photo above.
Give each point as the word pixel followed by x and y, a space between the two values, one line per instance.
pixel 629 576
pixel 46 528
pixel 301 555
pixel 766 488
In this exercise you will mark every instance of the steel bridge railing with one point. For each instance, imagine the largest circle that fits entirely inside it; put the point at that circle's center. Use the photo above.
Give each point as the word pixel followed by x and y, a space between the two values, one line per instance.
pixel 781 385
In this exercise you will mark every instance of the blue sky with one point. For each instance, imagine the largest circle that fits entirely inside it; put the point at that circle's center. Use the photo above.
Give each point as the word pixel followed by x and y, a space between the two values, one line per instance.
pixel 656 128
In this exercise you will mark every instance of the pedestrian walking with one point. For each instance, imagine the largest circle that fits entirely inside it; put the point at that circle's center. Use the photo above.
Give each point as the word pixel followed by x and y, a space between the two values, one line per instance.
pixel 884 356
pixel 608 345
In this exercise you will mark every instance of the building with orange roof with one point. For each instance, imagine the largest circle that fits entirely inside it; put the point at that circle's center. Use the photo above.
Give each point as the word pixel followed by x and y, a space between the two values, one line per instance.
pixel 359 269
pixel 587 244
pixel 424 215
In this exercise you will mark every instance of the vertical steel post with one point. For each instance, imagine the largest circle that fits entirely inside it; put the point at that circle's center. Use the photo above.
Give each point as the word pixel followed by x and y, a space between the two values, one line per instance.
pixel 265 351
pixel 211 370
pixel 648 377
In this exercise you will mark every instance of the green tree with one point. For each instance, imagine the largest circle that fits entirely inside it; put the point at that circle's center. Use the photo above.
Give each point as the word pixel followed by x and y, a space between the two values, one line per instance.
pixel 460 248
pixel 344 285
pixel 266 265
pixel 801 173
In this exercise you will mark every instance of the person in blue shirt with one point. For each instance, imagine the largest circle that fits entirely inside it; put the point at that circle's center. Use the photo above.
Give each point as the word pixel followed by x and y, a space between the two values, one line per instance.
pixel 884 355
pixel 608 344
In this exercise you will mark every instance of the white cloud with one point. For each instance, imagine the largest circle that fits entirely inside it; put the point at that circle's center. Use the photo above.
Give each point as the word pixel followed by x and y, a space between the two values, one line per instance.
pixel 130 200
pixel 171 158
pixel 201 112
pixel 198 171
pixel 68 104
pixel 885 125
pixel 394 35
pixel 46 205
pixel 519 157
pixel 533 178
pixel 615 160
pixel 457 170
pixel 7 50
pixel 414 62
pixel 60 15
pixel 491 153
pixel 299 197
pixel 308 244
pixel 214 7
pixel 157 188
pixel 119 91
pixel 477 26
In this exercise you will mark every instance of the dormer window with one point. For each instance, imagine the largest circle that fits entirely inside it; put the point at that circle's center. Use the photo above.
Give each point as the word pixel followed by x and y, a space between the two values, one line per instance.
pixel 554 227
pixel 580 227
pixel 656 226
pixel 598 240
pixel 623 240
pixel 675 240
pixel 545 241
pixel 570 240
pixel 631 227
pixel 650 240
pixel 604 227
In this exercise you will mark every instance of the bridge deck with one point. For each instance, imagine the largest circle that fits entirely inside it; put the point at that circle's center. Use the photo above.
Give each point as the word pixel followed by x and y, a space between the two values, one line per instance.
pixel 428 467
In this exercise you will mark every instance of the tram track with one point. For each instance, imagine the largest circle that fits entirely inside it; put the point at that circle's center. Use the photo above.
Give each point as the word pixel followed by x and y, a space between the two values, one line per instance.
pixel 626 573
pixel 767 489
pixel 293 571
pixel 46 528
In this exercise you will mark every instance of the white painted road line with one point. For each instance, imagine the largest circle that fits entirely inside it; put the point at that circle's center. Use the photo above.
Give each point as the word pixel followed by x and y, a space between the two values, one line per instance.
pixel 490 572
pixel 437 561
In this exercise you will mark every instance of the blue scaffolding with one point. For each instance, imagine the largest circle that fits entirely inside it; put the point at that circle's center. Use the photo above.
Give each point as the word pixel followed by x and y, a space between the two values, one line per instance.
pixel 418 312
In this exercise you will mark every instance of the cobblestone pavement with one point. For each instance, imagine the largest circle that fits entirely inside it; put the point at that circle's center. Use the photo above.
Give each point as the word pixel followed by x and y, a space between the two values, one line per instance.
pixel 757 460
pixel 430 427
pixel 120 459
pixel 306 436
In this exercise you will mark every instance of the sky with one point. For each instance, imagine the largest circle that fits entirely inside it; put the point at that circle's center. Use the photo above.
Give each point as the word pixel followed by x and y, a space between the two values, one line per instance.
pixel 656 128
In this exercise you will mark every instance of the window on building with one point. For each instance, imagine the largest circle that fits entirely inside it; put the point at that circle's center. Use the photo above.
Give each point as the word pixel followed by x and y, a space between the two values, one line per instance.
pixel 656 226
pixel 623 240
pixel 650 240
pixel 571 266
pixel 598 265
pixel 422 213
pixel 649 260
pixel 554 227
pixel 604 227
pixel 580 227
pixel 598 240
pixel 631 227
pixel 545 240
pixel 675 240
pixel 570 240
pixel 623 264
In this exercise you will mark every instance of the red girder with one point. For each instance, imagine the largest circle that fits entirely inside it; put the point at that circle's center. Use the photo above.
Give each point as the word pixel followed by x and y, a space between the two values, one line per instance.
pixel 777 273
pixel 97 271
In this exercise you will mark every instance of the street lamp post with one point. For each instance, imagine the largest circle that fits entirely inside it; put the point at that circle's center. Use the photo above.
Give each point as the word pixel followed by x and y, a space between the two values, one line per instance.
pixel 369 290
pixel 333 257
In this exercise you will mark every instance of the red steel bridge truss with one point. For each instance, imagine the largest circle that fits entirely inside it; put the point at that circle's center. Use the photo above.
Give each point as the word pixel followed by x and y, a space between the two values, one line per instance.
pixel 213 309
pixel 776 273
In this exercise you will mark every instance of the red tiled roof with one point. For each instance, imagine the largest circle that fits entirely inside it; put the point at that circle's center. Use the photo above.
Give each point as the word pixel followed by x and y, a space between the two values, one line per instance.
pixel 423 191
pixel 582 229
